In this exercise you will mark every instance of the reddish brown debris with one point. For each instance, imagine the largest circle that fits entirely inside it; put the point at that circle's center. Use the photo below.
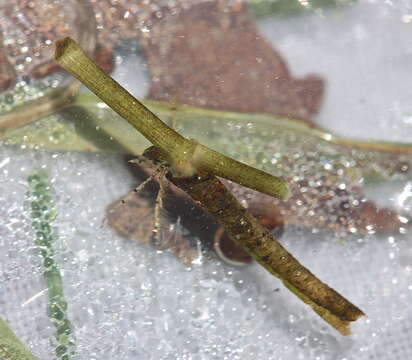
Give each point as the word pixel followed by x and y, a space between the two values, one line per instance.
pixel 382 220
pixel 7 73
pixel 217 59
pixel 44 69
pixel 346 212
pixel 133 217
pixel 335 212
pixel 104 58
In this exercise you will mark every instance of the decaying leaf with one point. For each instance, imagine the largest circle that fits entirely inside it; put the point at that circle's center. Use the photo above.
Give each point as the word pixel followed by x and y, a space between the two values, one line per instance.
pixel 133 217
pixel 7 73
pixel 204 56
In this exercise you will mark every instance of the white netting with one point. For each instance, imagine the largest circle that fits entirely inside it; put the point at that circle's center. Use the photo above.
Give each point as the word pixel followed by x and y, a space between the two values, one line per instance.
pixel 128 302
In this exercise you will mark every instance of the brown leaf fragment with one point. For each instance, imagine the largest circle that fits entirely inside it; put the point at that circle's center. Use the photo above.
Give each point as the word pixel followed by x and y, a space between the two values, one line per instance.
pixel 133 217
pixel 381 220
pixel 7 74
pixel 44 69
pixel 207 57
pixel 344 211
pixel 103 56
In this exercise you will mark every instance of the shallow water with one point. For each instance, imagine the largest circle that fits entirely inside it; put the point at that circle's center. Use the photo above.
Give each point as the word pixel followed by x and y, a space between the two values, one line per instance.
pixel 127 301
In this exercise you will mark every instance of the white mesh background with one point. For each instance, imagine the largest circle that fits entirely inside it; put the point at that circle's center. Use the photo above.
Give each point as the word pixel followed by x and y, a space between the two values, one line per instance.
pixel 128 302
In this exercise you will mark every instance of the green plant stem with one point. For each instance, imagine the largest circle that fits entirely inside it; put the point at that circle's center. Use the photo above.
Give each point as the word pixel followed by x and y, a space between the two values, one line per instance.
pixel 185 156
pixel 11 348
pixel 72 58
pixel 43 214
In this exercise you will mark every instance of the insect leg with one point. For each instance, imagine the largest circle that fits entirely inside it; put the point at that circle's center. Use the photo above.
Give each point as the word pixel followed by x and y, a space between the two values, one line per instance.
pixel 157 229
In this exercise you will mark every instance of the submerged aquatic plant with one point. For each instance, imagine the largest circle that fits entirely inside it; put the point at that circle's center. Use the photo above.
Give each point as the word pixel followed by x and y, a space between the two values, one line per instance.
pixel 43 214
pixel 194 168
